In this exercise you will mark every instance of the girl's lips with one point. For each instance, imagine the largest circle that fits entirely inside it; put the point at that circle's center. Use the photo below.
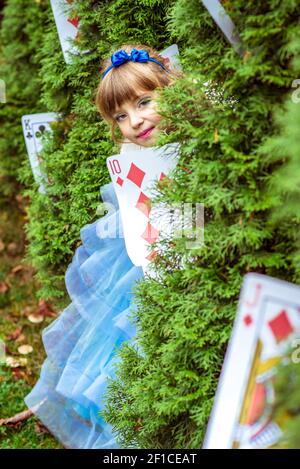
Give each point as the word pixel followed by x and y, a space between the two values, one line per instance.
pixel 146 133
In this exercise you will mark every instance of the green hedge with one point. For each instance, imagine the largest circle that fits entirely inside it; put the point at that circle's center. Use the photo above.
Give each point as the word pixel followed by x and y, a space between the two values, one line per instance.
pixel 21 33
pixel 285 184
pixel 165 384
pixel 75 160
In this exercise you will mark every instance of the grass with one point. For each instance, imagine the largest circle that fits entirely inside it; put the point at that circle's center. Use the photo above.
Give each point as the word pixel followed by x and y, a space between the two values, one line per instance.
pixel 17 301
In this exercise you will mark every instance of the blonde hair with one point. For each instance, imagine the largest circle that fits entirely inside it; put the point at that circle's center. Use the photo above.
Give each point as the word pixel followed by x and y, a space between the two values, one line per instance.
pixel 123 83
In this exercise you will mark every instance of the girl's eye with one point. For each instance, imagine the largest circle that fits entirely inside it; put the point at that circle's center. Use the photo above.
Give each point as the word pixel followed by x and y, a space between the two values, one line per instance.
pixel 120 117
pixel 144 101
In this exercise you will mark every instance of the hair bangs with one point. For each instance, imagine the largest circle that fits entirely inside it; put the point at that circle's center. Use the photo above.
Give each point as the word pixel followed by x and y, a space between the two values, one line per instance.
pixel 124 84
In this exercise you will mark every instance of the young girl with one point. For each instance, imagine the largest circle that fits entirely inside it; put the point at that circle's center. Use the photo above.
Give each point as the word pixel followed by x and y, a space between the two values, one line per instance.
pixel 82 341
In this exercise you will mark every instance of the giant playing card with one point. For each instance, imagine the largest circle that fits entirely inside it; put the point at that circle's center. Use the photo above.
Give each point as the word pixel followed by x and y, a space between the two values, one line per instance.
pixel 171 54
pixel 35 127
pixel 268 320
pixel 67 27
pixel 134 174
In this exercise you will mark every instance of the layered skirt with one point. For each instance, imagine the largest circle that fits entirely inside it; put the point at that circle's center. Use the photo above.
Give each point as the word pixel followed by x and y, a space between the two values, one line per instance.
pixel 81 343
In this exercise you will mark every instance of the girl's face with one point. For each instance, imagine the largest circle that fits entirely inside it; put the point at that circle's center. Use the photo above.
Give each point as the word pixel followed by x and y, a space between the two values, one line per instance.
pixel 138 119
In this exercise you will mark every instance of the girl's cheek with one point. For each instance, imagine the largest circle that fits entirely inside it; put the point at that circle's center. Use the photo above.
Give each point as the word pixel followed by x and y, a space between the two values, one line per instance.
pixel 153 113
pixel 157 118
pixel 124 130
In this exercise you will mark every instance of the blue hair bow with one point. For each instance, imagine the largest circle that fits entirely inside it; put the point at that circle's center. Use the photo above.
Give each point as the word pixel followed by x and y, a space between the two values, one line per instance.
pixel 120 57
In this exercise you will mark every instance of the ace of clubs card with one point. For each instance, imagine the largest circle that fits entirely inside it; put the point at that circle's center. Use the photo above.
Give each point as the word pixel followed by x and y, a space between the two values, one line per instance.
pixel 268 320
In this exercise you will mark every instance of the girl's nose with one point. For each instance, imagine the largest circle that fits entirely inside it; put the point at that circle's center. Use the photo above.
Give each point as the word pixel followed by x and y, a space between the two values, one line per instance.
pixel 136 120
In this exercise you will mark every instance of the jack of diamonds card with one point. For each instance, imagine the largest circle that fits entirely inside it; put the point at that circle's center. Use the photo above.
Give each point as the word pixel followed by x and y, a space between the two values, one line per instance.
pixel 134 173
pixel 268 320
pixel 35 127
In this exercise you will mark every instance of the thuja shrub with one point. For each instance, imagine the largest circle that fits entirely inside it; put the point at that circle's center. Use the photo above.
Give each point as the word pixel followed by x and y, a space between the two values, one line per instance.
pixel 286 409
pixel 283 147
pixel 75 157
pixel 222 113
pixel 21 32
pixel 285 184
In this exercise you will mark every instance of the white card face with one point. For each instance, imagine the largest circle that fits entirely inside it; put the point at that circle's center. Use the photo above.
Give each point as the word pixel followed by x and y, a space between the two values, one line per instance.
pixel 134 174
pixel 67 27
pixel 172 53
pixel 268 320
pixel 224 22
pixel 34 127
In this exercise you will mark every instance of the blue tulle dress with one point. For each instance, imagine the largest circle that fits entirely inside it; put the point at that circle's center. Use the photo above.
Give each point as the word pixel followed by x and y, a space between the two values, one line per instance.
pixel 81 343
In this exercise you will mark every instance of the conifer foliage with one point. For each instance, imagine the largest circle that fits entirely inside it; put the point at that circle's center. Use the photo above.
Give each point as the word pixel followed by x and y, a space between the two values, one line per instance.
pixel 75 159
pixel 20 36
pixel 285 184
pixel 222 113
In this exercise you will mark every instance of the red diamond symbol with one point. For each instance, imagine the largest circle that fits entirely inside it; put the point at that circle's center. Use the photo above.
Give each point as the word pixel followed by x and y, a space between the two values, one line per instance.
pixel 144 204
pixel 248 320
pixel 152 255
pixel 281 326
pixel 136 175
pixel 150 234
pixel 120 181
pixel 74 21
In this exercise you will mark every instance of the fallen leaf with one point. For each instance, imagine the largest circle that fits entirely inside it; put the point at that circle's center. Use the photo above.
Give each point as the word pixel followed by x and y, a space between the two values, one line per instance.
pixel 35 318
pixel 40 428
pixel 17 268
pixel 15 363
pixel 13 249
pixel 21 338
pixel 18 374
pixel 27 310
pixel 45 310
pixel 9 317
pixel 3 287
pixel 17 418
pixel 25 349
pixel 15 334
